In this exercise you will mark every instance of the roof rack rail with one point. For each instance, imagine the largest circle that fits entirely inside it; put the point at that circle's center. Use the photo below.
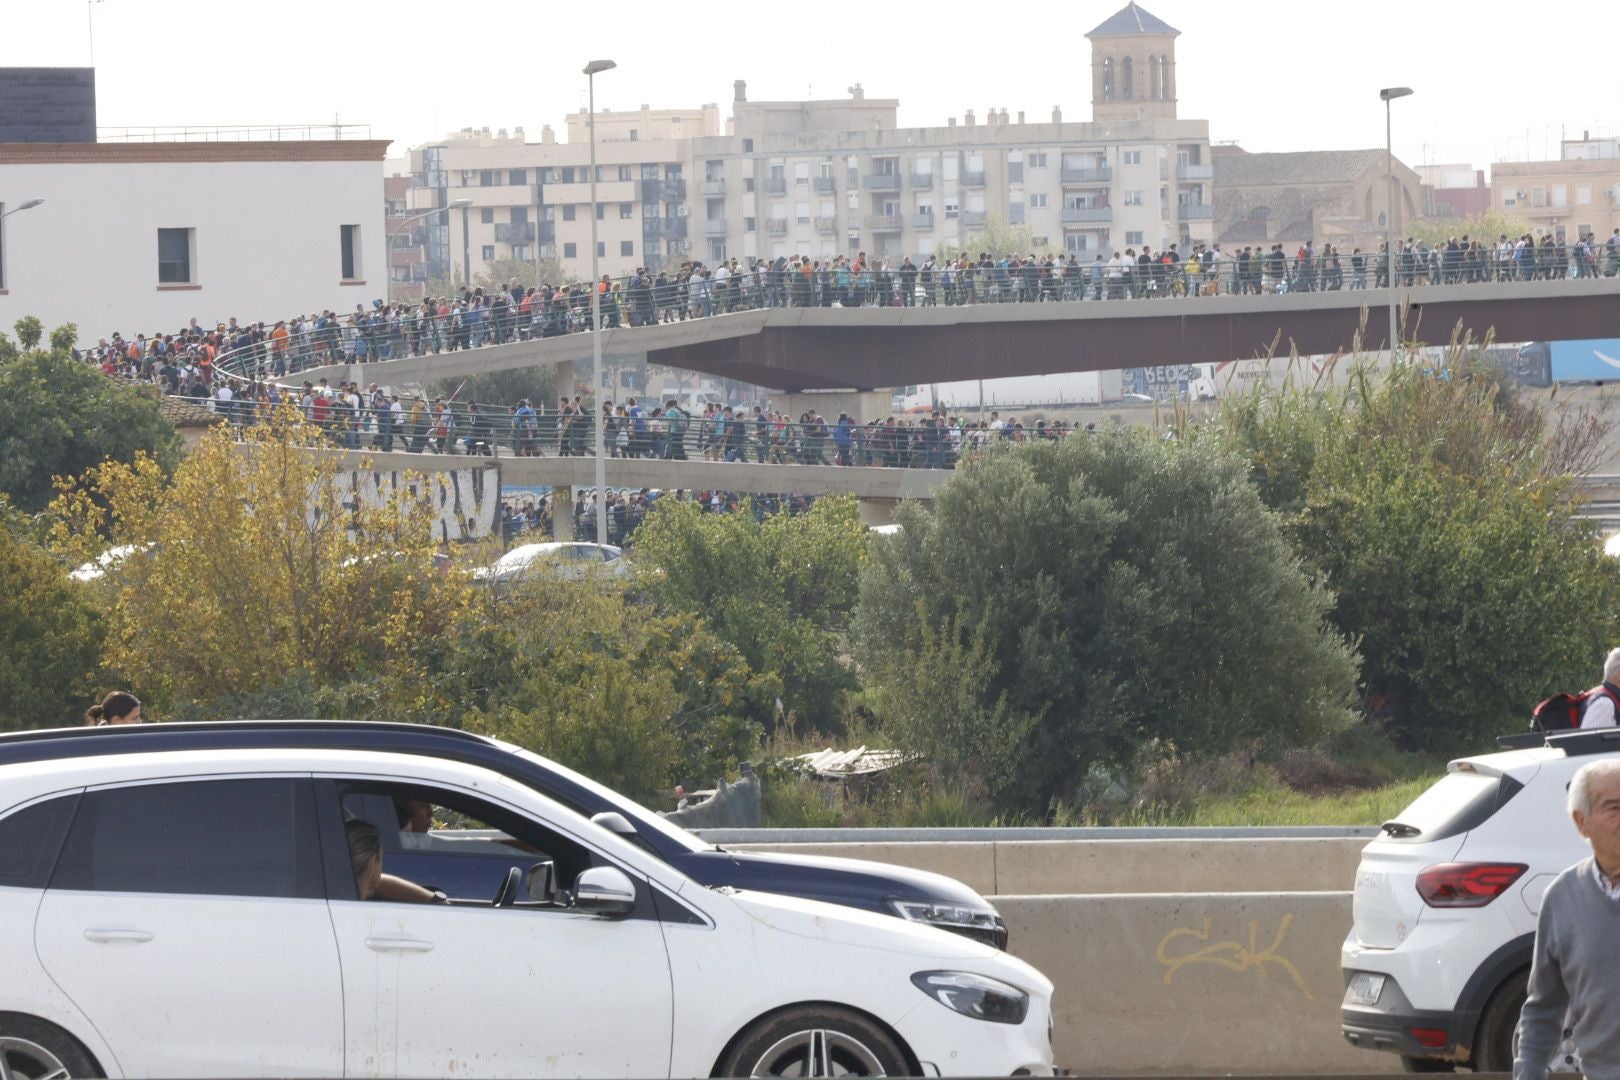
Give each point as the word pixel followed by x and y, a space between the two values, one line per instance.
pixel 72 733
pixel 1584 743
pixel 1521 740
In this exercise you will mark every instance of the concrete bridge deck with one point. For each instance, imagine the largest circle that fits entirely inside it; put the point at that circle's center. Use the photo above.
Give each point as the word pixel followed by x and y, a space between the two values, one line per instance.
pixel 794 349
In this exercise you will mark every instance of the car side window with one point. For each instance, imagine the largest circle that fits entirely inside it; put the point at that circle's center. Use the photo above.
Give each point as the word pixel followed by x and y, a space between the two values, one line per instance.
pixel 30 839
pixel 247 837
pixel 465 847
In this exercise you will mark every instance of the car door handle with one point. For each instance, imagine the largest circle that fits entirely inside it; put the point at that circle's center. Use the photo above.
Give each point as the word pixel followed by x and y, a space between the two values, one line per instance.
pixel 398 944
pixel 118 937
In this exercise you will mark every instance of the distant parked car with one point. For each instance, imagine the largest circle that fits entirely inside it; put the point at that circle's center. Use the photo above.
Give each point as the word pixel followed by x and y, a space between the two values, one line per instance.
pixel 567 560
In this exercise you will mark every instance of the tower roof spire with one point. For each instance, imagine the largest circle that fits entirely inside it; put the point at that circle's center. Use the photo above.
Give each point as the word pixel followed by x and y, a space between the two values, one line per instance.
pixel 1131 20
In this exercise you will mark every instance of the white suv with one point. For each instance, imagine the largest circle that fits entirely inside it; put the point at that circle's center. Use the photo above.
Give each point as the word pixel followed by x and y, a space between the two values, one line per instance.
pixel 1446 900
pixel 199 913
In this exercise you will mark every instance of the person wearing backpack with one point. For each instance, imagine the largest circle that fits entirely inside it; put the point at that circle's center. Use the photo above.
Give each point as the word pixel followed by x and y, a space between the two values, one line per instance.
pixel 1596 708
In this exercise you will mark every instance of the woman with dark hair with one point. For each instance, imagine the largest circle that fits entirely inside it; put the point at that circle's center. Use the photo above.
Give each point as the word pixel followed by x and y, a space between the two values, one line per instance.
pixel 365 856
pixel 117 707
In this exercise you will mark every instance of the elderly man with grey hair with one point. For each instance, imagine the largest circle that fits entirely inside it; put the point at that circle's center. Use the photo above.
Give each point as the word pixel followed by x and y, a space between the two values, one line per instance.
pixel 1574 980
pixel 1601 700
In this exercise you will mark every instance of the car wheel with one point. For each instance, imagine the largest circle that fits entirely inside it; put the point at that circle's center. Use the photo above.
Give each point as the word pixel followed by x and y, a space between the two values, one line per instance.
pixel 1493 1048
pixel 815 1040
pixel 1427 1065
pixel 31 1049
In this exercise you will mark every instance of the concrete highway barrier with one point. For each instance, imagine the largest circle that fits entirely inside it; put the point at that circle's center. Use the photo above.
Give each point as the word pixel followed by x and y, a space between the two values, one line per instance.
pixel 1206 983
pixel 1204 865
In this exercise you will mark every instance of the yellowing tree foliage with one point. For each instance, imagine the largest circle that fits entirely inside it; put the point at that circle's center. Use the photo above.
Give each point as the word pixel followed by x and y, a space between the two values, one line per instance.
pixel 252 569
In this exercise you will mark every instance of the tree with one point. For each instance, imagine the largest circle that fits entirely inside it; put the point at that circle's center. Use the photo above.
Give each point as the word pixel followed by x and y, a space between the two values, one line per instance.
pixel 1436 510
pixel 1487 228
pixel 780 590
pixel 998 238
pixel 50 633
pixel 1066 603
pixel 537 384
pixel 502 273
pixel 60 416
pixel 255 567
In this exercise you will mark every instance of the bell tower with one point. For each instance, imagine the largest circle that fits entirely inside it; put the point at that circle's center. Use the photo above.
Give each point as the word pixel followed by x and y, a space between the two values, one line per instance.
pixel 1133 67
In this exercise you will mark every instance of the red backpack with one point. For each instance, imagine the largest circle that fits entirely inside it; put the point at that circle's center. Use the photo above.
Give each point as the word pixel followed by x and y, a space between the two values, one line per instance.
pixel 1563 712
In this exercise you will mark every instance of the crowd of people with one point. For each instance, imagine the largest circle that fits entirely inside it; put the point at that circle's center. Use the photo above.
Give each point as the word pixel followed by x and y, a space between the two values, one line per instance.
pixel 476 317
pixel 527 516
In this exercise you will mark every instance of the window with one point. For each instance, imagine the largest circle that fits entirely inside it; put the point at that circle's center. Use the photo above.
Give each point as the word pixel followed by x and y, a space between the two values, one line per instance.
pixel 30 839
pixel 801 212
pixel 175 250
pixel 1133 236
pixel 601 211
pixel 209 838
pixel 1130 157
pixel 627 211
pixel 486 177
pixel 520 215
pixel 487 252
pixel 1133 198
pixel 349 238
pixel 1583 196
pixel 750 224
pixel 1560 195
pixel 952 168
pixel 570 251
pixel 568 211
pixel 1037 201
pixel 517 177
pixel 601 249
pixel 801 173
pixel 1037 160
pixel 568 174
pixel 626 172
pixel 1040 242
pixel 951 208
pixel 748 146
pixel 1538 197
pixel 486 216
pixel 627 248
pixel 651 171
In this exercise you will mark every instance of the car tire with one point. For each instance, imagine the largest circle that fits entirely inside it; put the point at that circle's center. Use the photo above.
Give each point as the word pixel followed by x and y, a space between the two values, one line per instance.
pixel 34 1049
pixel 1427 1065
pixel 1493 1046
pixel 814 1040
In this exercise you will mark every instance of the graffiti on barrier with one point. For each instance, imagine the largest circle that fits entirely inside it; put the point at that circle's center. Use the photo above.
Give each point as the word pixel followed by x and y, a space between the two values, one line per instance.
pixel 1233 955
pixel 465 501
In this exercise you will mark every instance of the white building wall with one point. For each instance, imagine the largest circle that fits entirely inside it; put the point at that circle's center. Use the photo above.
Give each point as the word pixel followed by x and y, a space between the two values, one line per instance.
pixel 267 241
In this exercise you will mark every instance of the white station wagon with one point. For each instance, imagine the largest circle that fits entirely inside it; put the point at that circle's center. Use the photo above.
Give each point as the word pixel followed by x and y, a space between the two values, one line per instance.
pixel 201 913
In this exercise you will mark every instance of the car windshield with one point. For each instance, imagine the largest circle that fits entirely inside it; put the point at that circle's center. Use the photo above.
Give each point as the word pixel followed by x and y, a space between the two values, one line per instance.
pixel 639 815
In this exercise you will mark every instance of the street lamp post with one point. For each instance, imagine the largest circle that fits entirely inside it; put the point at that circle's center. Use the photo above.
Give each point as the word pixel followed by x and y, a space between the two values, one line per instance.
pixel 1387 95
pixel 466 246
pixel 29 205
pixel 591 70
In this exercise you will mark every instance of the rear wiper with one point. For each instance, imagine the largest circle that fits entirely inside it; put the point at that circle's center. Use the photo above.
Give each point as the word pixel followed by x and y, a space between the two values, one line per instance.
pixel 1401 829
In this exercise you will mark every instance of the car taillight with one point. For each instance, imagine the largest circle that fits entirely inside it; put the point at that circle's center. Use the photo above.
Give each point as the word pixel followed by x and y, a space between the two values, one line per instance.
pixel 1451 885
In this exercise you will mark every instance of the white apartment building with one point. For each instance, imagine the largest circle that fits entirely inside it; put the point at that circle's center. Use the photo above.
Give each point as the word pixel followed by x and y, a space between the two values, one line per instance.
pixel 143 237
pixel 832 177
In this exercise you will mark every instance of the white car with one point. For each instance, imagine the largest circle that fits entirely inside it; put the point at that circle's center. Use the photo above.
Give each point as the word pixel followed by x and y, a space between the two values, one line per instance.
pixel 198 913
pixel 564 559
pixel 1446 899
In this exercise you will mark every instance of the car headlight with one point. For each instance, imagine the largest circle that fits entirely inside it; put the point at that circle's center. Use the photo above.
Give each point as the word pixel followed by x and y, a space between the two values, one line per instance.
pixel 978 996
pixel 948 916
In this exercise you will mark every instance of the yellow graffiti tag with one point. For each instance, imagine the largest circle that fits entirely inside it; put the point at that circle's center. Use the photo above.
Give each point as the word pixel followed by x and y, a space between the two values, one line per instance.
pixel 1231 954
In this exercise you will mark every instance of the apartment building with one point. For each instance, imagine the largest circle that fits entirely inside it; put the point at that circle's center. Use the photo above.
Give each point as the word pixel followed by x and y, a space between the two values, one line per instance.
pixel 532 201
pixel 829 177
pixel 838 177
pixel 1577 195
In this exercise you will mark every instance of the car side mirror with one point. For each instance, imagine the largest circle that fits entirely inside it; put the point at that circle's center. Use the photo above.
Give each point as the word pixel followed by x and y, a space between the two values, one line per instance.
pixel 541 885
pixel 615 823
pixel 604 890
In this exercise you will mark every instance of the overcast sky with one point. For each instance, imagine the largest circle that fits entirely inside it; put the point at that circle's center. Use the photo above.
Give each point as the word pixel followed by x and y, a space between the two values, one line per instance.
pixel 1268 74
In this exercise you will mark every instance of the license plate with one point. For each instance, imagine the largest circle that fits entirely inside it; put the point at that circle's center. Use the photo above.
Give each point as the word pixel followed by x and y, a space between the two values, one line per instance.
pixel 1364 989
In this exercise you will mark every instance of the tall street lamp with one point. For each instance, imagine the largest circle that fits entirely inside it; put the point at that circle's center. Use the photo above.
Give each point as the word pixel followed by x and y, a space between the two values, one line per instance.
pixel 466 246
pixel 1387 95
pixel 29 205
pixel 591 70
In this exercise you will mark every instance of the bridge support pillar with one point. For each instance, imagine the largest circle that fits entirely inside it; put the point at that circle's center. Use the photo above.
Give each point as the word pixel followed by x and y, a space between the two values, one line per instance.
pixel 861 405
pixel 562 383
pixel 878 511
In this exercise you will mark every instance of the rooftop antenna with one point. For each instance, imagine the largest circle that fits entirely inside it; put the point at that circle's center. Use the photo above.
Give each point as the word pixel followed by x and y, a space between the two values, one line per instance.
pixel 90 16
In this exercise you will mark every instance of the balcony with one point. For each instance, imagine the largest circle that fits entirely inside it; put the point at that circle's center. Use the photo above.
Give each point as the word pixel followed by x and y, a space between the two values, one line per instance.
pixel 972 219
pixel 1102 174
pixel 1015 172
pixel 973 179
pixel 922 221
pixel 1080 215
pixel 1197 212
pixel 775 185
pixel 515 233
pixel 663 190
pixel 669 228
pixel 1195 172
pixel 716 186
pixel 776 226
pixel 826 225
pixel 825 184
pixel 548 232
pixel 922 181
pixel 883 222
pixel 714 227
pixel 1015 214
pixel 881 182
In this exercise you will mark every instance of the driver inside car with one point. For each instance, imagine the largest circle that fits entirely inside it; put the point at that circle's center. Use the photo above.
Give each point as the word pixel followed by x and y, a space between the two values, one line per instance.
pixel 365 855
